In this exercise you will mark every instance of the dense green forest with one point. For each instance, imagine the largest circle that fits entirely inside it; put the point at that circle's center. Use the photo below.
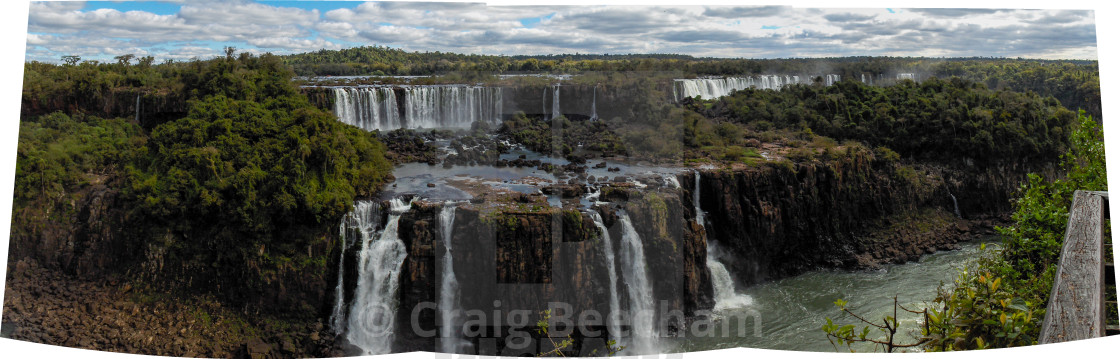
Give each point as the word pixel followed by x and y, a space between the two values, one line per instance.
pixel 232 192
pixel 932 120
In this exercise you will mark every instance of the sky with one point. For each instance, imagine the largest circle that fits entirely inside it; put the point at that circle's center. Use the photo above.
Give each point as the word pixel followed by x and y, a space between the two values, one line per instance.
pixel 181 30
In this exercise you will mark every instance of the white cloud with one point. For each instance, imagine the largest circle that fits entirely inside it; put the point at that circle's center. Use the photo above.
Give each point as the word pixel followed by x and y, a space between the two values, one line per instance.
pixel 726 31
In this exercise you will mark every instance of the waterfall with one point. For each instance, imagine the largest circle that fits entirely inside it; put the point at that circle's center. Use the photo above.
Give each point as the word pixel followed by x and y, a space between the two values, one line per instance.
pixel 449 306
pixel 357 226
pixel 373 313
pixel 643 332
pixel 608 253
pixel 956 210
pixel 709 88
pixel 137 108
pixel 723 286
pixel 556 101
pixel 671 181
pixel 544 103
pixel 594 95
pixel 437 106
pixel 696 198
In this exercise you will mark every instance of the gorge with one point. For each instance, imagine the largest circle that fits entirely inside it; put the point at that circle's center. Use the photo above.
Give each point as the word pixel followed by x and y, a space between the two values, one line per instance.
pixel 624 205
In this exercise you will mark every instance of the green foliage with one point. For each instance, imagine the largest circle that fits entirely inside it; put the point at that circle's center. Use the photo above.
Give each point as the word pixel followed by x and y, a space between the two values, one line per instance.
pixel 252 170
pixel 233 193
pixel 981 312
pixel 59 154
pixel 1001 303
pixel 935 120
pixel 848 334
pixel 559 348
pixel 560 135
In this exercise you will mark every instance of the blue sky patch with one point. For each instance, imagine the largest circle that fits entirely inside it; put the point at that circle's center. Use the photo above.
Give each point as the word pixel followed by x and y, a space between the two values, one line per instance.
pixel 770 27
pixel 531 22
pixel 322 6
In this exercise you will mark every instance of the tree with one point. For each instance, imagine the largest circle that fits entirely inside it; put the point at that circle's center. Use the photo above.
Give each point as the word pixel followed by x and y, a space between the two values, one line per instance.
pixel 125 59
pixel 71 60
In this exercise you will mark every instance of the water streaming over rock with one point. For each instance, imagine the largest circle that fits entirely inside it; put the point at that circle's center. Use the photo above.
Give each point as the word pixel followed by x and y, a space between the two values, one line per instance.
pixel 608 253
pixel 450 308
pixel 696 198
pixel 956 210
pixel 437 106
pixel 556 101
pixel 722 285
pixel 373 312
pixel 643 333
pixel 594 97
pixel 709 88
pixel 358 226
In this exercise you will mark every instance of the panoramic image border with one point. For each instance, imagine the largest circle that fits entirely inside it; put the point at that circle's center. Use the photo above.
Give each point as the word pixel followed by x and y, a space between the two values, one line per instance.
pixel 696 194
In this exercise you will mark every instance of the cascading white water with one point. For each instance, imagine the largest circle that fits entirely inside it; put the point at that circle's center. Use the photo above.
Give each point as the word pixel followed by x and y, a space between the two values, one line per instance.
pixel 594 96
pixel 643 332
pixel 722 285
pixel 356 227
pixel 671 181
pixel 956 210
pixel 373 313
pixel 614 327
pixel 451 340
pixel 709 88
pixel 442 106
pixel 544 102
pixel 368 108
pixel 556 101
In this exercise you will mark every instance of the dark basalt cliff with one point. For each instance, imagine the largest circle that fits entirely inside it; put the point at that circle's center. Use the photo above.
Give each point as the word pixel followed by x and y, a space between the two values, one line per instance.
pixel 850 213
pixel 529 261
pixel 775 220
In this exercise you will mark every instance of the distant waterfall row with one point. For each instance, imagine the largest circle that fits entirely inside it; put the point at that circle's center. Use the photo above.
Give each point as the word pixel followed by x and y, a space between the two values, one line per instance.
pixel 390 108
pixel 709 88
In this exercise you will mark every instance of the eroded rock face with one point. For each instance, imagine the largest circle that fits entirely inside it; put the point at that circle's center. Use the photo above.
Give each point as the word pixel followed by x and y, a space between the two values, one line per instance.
pixel 850 213
pixel 527 262
pixel 80 237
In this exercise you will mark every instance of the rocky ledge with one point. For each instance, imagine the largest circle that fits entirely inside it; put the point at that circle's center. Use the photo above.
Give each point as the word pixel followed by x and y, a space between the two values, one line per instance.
pixel 44 305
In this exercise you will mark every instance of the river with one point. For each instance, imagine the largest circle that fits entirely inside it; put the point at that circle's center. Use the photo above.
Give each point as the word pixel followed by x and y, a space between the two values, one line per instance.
pixel 793 309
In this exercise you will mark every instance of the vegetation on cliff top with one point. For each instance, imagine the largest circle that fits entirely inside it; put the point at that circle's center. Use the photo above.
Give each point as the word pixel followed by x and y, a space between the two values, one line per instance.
pixel 1001 301
pixel 932 120
pixel 237 189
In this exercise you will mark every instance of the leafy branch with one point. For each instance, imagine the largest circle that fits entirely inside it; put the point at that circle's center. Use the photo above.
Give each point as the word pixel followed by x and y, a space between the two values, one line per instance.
pixel 847 334
pixel 558 348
